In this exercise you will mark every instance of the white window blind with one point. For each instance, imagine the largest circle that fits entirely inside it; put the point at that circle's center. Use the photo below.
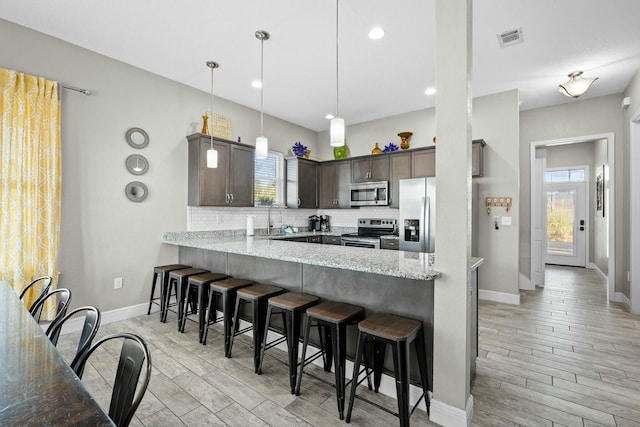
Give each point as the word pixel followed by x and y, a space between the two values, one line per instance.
pixel 269 180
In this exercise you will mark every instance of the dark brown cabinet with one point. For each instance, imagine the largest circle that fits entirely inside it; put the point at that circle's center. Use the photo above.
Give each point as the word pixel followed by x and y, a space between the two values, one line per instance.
pixel 331 240
pixel 423 162
pixel 230 184
pixel 302 183
pixel 399 168
pixel 374 168
pixel 335 178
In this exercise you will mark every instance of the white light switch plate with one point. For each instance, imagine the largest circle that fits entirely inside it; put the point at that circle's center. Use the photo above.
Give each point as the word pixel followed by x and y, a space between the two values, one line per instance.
pixel 506 220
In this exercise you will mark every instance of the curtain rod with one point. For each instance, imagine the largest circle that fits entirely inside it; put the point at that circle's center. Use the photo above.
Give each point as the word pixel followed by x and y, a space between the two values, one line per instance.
pixel 77 89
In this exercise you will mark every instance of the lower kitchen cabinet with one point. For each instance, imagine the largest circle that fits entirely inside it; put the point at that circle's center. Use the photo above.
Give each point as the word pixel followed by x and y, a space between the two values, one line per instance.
pixel 331 240
pixel 230 184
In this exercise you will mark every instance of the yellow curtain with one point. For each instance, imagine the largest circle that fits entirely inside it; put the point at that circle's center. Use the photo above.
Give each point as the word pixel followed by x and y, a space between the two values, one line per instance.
pixel 30 173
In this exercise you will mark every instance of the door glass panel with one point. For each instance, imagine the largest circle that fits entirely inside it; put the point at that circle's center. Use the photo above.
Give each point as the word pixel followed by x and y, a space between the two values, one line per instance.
pixel 560 222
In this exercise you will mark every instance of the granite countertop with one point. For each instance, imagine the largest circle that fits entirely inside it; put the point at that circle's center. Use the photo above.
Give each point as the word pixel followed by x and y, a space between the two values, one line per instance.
pixel 410 265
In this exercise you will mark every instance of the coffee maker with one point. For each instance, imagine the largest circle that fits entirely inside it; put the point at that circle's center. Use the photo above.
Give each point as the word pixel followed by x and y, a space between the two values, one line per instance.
pixel 314 223
pixel 324 223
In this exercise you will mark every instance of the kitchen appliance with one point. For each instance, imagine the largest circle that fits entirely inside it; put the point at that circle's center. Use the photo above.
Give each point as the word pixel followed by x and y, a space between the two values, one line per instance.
pixel 325 225
pixel 370 194
pixel 417 226
pixel 314 223
pixel 369 232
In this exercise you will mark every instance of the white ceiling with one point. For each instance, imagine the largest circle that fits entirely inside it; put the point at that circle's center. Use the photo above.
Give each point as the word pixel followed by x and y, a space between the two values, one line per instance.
pixel 380 78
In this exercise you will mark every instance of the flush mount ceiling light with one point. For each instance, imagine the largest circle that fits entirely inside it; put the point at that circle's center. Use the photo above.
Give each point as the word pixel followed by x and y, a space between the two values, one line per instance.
pixel 262 143
pixel 329 116
pixel 577 85
pixel 430 91
pixel 256 84
pixel 376 33
pixel 212 154
pixel 336 129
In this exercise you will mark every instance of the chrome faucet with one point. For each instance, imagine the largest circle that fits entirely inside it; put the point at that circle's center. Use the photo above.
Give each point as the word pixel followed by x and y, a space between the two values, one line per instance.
pixel 269 219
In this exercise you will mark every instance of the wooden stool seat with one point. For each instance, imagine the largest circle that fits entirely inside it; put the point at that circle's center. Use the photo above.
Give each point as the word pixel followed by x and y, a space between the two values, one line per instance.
pixel 186 272
pixel 335 312
pixel 162 272
pixel 390 327
pixel 226 289
pixel 291 305
pixel 399 332
pixel 201 283
pixel 333 317
pixel 258 295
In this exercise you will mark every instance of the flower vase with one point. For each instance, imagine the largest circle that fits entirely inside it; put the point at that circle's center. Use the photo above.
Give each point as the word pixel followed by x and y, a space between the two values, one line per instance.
pixel 205 125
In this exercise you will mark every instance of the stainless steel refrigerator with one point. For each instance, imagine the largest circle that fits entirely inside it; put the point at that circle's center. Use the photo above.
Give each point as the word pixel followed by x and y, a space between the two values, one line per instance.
pixel 417 225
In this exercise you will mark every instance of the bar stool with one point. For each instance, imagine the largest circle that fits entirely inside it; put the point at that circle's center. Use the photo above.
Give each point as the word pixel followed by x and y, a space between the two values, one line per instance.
pixel 179 278
pixel 257 295
pixel 291 305
pixel 335 317
pixel 197 286
pixel 227 290
pixel 162 271
pixel 389 329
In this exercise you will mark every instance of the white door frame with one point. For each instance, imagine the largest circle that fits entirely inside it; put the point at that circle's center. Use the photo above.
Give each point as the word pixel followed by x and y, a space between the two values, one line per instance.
pixel 634 220
pixel 610 202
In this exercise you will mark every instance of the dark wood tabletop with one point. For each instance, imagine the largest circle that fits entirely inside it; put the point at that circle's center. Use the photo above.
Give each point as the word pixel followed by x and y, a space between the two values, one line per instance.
pixel 37 387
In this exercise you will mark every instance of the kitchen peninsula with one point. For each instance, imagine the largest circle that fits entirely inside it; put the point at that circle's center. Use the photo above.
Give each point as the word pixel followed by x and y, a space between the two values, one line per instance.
pixel 381 281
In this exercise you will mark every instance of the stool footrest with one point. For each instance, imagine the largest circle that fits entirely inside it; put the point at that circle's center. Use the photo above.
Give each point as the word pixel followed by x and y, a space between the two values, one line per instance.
pixel 275 342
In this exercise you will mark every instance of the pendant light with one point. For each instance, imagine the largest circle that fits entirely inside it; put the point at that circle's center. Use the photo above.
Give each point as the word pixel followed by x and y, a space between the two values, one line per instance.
pixel 262 143
pixel 212 154
pixel 336 130
pixel 577 85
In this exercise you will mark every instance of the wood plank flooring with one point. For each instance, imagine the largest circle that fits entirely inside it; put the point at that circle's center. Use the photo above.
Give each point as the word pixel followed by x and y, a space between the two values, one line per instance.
pixel 564 357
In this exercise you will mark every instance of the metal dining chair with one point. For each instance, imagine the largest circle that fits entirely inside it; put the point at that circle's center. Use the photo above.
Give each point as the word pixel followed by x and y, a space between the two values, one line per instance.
pixel 45 285
pixel 64 298
pixel 89 329
pixel 134 354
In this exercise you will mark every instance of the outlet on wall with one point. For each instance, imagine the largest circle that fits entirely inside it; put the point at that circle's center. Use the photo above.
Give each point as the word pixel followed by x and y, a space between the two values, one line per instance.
pixel 117 283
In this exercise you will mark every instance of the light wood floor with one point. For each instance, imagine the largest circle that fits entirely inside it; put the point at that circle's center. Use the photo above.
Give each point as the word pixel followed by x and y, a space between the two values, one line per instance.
pixel 565 356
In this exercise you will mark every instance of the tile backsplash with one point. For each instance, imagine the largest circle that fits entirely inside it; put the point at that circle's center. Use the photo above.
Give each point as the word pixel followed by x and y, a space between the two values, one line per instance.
pixel 224 218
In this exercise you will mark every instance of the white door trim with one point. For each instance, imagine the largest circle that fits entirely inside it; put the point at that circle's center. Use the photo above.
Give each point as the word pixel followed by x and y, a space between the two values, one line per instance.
pixel 611 212
pixel 634 220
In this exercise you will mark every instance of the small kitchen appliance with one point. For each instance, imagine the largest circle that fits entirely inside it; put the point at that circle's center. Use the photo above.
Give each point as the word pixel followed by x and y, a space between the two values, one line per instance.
pixel 314 223
pixel 370 194
pixel 325 225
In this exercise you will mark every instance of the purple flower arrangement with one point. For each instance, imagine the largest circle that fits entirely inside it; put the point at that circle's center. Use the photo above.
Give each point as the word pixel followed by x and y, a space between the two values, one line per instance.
pixel 390 147
pixel 299 149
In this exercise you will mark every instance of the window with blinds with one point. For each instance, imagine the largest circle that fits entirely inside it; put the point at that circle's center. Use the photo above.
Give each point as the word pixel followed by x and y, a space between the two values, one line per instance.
pixel 269 180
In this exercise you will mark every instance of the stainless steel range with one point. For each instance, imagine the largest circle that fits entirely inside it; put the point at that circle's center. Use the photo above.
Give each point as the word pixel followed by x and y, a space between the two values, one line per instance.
pixel 369 232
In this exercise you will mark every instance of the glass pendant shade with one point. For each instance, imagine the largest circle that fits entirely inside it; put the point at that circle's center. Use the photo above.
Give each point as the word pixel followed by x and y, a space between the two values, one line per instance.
pixel 262 147
pixel 212 158
pixel 577 85
pixel 336 132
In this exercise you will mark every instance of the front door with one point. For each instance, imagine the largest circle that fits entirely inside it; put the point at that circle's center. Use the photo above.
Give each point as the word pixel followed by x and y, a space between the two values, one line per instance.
pixel 566 224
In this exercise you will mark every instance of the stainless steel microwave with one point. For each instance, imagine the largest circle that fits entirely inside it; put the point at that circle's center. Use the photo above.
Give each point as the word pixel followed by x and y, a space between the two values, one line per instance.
pixel 370 194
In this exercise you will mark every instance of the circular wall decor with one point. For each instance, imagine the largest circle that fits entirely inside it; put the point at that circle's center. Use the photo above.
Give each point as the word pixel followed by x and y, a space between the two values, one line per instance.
pixel 137 138
pixel 136 191
pixel 137 164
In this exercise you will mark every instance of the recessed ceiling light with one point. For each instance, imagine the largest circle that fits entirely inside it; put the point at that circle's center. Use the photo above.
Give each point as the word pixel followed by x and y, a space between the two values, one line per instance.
pixel 430 91
pixel 376 33
pixel 329 116
pixel 257 84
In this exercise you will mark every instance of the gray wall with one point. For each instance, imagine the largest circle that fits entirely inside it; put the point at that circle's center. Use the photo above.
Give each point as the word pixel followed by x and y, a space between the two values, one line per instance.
pixel 575 119
pixel 103 234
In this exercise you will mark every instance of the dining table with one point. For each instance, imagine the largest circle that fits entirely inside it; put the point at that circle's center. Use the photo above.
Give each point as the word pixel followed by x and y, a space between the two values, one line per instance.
pixel 37 386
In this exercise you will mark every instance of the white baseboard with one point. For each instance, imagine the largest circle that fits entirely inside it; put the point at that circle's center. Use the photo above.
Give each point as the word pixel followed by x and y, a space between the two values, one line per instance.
pixel 450 416
pixel 597 269
pixel 499 297
pixel 524 283
pixel 620 297
pixel 75 325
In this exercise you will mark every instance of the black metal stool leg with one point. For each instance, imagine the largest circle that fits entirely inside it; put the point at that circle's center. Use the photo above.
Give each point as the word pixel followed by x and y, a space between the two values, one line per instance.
pixel 356 372
pixel 153 291
pixel 236 326
pixel 307 330
pixel 264 340
pixel 211 308
pixel 339 343
pixel 401 365
pixel 259 313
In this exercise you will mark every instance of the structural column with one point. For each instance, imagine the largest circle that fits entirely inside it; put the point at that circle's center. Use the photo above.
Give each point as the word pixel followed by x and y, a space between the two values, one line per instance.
pixel 452 404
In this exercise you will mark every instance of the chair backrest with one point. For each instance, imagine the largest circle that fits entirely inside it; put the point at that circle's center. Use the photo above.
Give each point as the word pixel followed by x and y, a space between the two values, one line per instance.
pixel 45 284
pixel 124 399
pixel 64 298
pixel 89 329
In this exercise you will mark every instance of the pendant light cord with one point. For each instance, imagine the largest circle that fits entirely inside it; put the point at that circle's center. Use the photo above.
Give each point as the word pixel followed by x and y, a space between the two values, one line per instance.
pixel 261 86
pixel 337 79
pixel 211 124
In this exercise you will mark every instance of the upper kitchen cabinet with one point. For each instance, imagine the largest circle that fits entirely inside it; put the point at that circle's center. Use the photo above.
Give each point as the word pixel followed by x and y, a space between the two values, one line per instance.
pixel 370 169
pixel 423 162
pixel 302 183
pixel 477 160
pixel 400 168
pixel 335 179
pixel 231 183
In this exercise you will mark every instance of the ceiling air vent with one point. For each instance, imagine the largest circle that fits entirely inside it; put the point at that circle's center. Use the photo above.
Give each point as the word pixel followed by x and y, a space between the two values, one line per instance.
pixel 511 37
